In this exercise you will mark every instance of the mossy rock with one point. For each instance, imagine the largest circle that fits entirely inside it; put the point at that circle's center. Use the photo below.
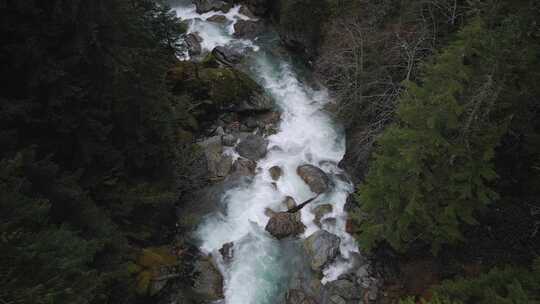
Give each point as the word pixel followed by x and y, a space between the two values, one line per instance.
pixel 148 265
pixel 153 257
pixel 218 89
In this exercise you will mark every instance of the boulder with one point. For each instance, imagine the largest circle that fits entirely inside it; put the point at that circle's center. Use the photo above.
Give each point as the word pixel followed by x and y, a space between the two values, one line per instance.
pixel 289 202
pixel 227 55
pixel 248 29
pixel 253 147
pixel 295 296
pixel 229 140
pixel 217 19
pixel 320 211
pixel 284 224
pixel 322 247
pixel 316 179
pixel 275 172
pixel 222 89
pixel 205 6
pixel 218 164
pixel 344 288
pixel 208 283
pixel 227 251
pixel 244 167
pixel 193 42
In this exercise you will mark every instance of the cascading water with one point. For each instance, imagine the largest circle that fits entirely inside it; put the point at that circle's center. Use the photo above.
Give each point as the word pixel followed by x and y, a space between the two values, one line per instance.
pixel 262 266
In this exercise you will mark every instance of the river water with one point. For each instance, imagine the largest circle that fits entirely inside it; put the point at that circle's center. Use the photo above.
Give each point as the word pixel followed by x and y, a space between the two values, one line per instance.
pixel 263 266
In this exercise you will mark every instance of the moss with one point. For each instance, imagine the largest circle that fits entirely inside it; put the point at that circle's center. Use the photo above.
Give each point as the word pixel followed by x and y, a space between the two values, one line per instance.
pixel 143 282
pixel 227 86
pixel 213 88
pixel 154 257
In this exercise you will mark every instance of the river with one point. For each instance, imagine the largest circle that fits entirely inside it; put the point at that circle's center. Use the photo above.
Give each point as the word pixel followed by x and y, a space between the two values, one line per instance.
pixel 263 266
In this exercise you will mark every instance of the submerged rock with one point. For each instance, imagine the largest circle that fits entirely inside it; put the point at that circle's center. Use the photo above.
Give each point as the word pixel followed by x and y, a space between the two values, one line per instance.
pixel 275 172
pixel 316 179
pixel 205 6
pixel 253 147
pixel 284 224
pixel 322 247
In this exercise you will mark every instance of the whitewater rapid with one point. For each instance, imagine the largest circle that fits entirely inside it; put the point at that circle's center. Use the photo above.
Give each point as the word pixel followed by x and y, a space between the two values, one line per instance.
pixel 262 265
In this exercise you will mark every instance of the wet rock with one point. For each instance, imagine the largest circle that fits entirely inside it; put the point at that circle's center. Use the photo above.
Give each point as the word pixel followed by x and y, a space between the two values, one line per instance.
pixel 205 6
pixel 248 29
pixel 316 179
pixel 218 165
pixel 284 224
pixel 208 283
pixel 193 42
pixel 227 55
pixel 244 167
pixel 322 247
pixel 275 172
pixel 227 251
pixel 289 202
pixel 331 221
pixel 295 296
pixel 252 147
pixel 320 211
pixel 350 204
pixel 344 288
pixel 229 140
pixel 217 19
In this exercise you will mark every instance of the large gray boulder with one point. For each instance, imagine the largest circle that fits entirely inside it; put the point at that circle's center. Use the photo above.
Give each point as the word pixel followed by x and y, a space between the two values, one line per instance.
pixel 322 247
pixel 227 55
pixel 253 147
pixel 284 224
pixel 316 179
pixel 208 283
pixel 205 6
pixel 218 164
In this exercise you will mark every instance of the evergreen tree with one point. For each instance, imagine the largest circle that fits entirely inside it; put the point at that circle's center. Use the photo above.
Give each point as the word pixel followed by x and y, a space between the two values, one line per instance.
pixel 433 169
